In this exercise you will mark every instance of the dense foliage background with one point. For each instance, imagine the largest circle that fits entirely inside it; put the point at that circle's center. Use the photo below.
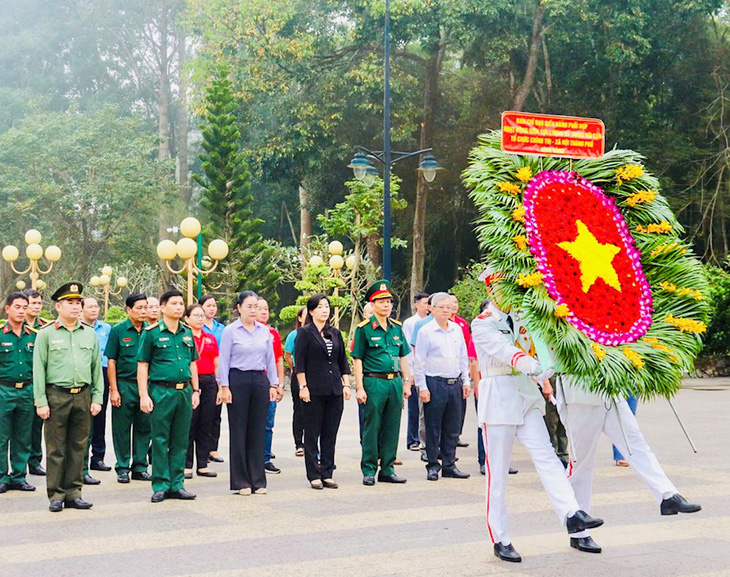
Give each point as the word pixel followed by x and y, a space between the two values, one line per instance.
pixel 101 104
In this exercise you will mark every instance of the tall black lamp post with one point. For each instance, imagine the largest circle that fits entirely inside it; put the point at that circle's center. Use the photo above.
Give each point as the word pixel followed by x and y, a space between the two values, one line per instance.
pixel 362 164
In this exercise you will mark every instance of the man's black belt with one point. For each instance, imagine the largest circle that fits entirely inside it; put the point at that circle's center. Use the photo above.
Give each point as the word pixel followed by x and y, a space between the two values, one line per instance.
pixel 171 384
pixel 69 390
pixel 382 375
pixel 447 380
pixel 12 385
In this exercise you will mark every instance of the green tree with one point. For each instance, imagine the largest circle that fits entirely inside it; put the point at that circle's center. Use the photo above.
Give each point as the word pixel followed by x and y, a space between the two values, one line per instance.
pixel 227 197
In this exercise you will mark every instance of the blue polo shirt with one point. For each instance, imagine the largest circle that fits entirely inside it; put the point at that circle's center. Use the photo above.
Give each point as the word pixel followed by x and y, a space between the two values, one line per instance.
pixel 216 331
pixel 102 331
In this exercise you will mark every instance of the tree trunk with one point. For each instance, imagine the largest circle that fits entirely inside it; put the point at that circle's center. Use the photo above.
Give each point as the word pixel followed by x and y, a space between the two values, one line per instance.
pixel 305 223
pixel 430 102
pixel 183 179
pixel 371 243
pixel 529 79
pixel 163 99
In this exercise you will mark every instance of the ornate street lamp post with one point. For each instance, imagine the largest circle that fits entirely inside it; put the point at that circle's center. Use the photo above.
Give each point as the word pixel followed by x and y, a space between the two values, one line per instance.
pixel 102 284
pixel 34 252
pixel 187 248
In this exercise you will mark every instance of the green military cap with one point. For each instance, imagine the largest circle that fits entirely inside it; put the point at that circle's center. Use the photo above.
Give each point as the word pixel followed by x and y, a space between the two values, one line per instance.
pixel 71 290
pixel 378 290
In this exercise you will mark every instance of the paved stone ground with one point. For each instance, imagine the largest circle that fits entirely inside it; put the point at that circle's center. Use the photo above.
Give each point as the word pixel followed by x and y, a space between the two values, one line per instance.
pixel 415 529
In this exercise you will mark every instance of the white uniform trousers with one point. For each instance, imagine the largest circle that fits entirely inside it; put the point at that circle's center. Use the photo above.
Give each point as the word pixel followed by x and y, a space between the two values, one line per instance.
pixel 498 441
pixel 584 424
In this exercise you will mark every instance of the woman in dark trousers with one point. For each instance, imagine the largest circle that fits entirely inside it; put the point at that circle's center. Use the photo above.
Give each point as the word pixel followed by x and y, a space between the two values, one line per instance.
pixel 290 358
pixel 249 379
pixel 323 375
pixel 202 425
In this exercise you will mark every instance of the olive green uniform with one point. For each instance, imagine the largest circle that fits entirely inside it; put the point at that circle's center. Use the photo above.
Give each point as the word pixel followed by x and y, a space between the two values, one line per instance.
pixel 380 352
pixel 36 434
pixel 67 378
pixel 169 356
pixel 16 402
pixel 131 428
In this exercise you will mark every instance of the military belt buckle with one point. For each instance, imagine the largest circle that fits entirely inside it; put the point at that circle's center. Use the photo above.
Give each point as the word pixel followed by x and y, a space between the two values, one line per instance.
pixel 179 386
pixel 74 391
pixel 19 385
pixel 390 376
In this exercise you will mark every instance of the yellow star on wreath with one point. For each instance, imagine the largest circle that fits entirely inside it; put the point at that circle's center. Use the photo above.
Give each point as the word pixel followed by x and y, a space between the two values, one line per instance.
pixel 593 257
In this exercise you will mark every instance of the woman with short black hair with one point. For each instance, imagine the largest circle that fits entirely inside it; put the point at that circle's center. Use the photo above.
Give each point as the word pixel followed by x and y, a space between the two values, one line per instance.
pixel 323 375
pixel 247 372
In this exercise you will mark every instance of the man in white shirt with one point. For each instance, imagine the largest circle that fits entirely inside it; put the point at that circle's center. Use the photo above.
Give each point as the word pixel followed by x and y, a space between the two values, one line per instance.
pixel 416 432
pixel 442 377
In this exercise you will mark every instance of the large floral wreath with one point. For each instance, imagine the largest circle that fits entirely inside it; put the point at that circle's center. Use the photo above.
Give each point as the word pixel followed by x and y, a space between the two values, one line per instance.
pixel 591 253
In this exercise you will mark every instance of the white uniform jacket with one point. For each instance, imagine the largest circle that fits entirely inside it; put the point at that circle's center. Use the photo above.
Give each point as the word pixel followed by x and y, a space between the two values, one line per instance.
pixel 506 391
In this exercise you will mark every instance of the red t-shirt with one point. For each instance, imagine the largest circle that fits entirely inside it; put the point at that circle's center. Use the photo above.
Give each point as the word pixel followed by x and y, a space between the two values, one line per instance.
pixel 278 350
pixel 207 351
pixel 471 351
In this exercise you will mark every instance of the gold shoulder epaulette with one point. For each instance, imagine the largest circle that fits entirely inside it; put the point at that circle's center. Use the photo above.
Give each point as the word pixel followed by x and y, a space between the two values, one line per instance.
pixel 87 324
pixel 152 326
pixel 30 328
pixel 364 323
pixel 396 322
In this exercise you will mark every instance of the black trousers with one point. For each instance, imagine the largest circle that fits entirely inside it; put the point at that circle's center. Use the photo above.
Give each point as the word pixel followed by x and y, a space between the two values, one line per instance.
pixel 297 424
pixel 322 415
pixel 247 427
pixel 443 422
pixel 98 439
pixel 200 439
pixel 217 428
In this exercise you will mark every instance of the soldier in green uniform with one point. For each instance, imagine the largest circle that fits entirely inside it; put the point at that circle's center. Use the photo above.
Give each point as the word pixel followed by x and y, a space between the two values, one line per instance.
pixel 131 427
pixel 68 387
pixel 16 394
pixel 383 380
pixel 34 321
pixel 166 361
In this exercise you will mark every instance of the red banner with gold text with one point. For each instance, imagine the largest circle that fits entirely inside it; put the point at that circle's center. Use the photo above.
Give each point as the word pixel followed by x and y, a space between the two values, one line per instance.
pixel 547 135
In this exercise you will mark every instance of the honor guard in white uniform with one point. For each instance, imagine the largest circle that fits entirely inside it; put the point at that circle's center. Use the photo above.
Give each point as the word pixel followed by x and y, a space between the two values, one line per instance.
pixel 511 406
pixel 586 415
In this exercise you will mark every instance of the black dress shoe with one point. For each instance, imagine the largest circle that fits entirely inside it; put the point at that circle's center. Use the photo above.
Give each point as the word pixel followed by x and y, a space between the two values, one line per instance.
pixel 89 480
pixel 181 494
pixel 158 496
pixel 189 475
pixel 20 487
pixel 390 478
pixel 582 521
pixel 424 458
pixel 432 475
pixel 123 477
pixel 39 471
pixel 462 444
pixel 55 506
pixel 585 544
pixel 206 473
pixel 215 459
pixel 78 503
pixel 454 473
pixel 368 480
pixel 271 468
pixel 513 471
pixel 678 504
pixel 141 476
pixel 507 553
pixel 99 466
pixel 3 488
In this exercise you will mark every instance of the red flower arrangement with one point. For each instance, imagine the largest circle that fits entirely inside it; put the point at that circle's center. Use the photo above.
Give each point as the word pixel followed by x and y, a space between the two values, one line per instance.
pixel 587 257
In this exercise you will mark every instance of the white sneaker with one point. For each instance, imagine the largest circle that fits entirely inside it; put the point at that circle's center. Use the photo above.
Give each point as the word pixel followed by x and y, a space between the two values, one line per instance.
pixel 246 491
pixel 261 491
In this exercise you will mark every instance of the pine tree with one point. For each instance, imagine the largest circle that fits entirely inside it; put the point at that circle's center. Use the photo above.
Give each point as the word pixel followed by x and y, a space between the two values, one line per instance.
pixel 227 198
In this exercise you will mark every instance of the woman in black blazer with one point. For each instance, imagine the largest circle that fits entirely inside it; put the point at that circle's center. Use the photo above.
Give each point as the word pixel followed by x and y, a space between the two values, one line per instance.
pixel 324 381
